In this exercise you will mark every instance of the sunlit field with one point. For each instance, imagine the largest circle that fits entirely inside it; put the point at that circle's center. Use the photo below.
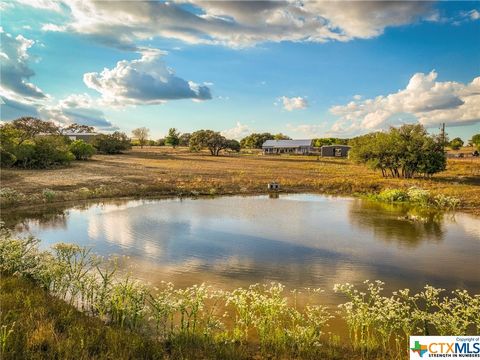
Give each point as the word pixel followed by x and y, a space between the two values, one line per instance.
pixel 158 171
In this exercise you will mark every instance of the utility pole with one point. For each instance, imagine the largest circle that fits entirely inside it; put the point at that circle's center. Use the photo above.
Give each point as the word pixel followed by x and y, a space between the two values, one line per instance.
pixel 443 136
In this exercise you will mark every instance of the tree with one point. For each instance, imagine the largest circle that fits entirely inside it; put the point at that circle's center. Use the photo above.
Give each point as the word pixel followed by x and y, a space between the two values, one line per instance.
pixel 456 143
pixel 32 143
pixel 319 142
pixel 111 144
pixel 161 142
pixel 255 140
pixel 141 134
pixel 476 141
pixel 81 150
pixel 233 145
pixel 210 139
pixel 185 139
pixel 173 138
pixel 280 136
pixel 402 152
pixel 29 127
pixel 78 129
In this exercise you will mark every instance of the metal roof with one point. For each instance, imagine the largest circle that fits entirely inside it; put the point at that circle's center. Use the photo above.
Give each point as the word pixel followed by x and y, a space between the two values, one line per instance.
pixel 286 143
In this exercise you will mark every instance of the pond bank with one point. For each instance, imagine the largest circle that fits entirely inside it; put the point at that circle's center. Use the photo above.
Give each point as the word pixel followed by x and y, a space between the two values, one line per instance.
pixel 165 172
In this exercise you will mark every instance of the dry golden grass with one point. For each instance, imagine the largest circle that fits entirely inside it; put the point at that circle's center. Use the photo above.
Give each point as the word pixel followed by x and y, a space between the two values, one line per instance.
pixel 156 171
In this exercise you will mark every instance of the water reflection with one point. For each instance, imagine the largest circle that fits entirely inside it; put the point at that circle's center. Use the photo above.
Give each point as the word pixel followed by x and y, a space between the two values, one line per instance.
pixel 300 240
pixel 393 223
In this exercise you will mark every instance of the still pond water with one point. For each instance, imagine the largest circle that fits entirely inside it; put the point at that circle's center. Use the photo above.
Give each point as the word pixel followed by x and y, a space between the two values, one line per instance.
pixel 299 240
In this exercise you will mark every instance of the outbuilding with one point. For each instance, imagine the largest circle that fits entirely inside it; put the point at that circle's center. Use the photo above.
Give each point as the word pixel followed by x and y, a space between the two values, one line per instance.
pixel 300 147
pixel 334 150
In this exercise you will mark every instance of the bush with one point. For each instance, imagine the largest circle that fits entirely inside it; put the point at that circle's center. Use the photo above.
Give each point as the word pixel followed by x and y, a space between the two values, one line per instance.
pixel 112 144
pixel 50 151
pixel 7 159
pixel 393 195
pixel 49 195
pixel 81 150
pixel 10 196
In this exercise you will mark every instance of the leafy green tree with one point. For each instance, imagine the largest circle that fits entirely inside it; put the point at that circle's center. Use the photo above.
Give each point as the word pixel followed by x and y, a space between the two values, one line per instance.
pixel 475 141
pixel 77 129
pixel 280 136
pixel 141 135
pixel 212 140
pixel 29 127
pixel 33 143
pixel 233 145
pixel 456 143
pixel 319 142
pixel 112 144
pixel 160 142
pixel 255 140
pixel 185 139
pixel 81 150
pixel 401 152
pixel 173 138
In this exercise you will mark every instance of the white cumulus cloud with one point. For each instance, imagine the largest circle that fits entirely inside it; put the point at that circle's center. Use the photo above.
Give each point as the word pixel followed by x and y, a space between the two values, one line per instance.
pixel 238 132
pixel 144 81
pixel 235 23
pixel 426 100
pixel 293 103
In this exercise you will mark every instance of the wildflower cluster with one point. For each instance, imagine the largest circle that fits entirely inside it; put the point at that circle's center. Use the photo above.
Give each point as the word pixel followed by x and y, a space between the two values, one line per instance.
pixel 419 197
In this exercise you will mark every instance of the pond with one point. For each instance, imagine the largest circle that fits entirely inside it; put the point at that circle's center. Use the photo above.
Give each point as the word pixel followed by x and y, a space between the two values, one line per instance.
pixel 301 240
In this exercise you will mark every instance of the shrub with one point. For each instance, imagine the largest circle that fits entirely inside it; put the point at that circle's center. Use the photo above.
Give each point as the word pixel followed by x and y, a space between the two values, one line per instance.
pixel 7 159
pixel 81 150
pixel 393 195
pixel 10 196
pixel 112 144
pixel 51 151
pixel 49 195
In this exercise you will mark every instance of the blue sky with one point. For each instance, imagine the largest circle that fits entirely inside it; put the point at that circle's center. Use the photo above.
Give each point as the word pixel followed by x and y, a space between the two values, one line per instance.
pixel 307 71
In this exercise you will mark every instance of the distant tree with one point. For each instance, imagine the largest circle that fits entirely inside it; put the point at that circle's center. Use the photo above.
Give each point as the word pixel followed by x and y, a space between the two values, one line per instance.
pixel 475 141
pixel 141 134
pixel 185 139
pixel 402 152
pixel 173 138
pixel 456 143
pixel 255 140
pixel 280 136
pixel 233 145
pixel 111 144
pixel 29 127
pixel 210 139
pixel 32 143
pixel 319 142
pixel 161 142
pixel 77 128
pixel 81 150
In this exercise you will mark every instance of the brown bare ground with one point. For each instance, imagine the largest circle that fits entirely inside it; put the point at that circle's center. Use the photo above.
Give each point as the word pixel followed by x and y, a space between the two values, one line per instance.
pixel 157 171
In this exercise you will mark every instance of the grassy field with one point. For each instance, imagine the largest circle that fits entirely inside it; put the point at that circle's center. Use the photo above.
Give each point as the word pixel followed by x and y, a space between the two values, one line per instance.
pixel 157 171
